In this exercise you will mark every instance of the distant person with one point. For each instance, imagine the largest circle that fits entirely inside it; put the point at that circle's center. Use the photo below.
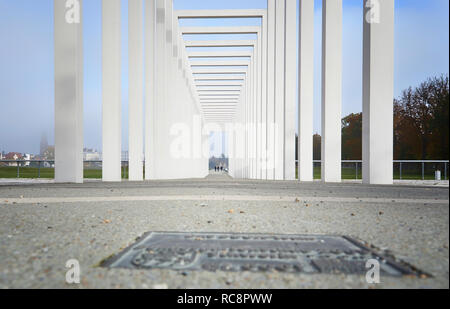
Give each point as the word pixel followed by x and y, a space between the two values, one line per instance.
pixel 221 168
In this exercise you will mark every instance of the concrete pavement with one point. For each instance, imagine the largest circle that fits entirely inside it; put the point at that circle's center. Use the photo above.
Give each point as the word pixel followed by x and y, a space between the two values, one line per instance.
pixel 44 225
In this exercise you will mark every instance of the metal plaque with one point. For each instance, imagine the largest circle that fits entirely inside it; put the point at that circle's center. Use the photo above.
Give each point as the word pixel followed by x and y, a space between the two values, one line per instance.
pixel 308 254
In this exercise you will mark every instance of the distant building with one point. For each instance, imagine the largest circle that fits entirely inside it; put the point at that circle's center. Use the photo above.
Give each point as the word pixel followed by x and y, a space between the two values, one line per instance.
pixel 49 153
pixel 91 155
pixel 26 157
pixel 13 156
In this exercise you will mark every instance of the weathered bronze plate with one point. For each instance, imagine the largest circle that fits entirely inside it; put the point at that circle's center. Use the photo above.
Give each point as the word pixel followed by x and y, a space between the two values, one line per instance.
pixel 309 254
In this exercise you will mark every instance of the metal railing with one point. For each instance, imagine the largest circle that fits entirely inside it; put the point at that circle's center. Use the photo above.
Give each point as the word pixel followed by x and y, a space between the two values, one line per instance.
pixel 39 166
pixel 403 169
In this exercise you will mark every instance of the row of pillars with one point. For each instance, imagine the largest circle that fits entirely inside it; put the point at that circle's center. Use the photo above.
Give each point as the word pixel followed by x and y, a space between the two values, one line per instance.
pixel 276 109
pixel 272 103
pixel 160 93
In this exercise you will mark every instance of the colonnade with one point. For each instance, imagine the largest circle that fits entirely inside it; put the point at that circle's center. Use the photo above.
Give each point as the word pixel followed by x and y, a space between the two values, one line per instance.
pixel 180 90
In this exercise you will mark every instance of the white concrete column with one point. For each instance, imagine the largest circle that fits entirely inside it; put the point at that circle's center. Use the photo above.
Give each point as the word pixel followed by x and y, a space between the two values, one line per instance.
pixel 280 62
pixel 160 86
pixel 264 99
pixel 136 71
pixel 378 92
pixel 68 92
pixel 270 153
pixel 306 91
pixel 111 92
pixel 290 89
pixel 258 108
pixel 253 120
pixel 249 125
pixel 331 90
pixel 150 80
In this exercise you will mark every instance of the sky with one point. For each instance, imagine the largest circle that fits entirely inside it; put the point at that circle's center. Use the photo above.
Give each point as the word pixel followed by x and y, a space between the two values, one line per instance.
pixel 27 69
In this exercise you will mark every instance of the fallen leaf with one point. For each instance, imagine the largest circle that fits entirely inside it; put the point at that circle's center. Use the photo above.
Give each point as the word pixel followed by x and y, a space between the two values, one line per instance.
pixel 106 221
pixel 231 211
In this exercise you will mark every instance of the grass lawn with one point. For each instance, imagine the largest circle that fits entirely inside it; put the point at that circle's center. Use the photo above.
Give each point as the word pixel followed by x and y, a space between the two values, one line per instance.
pixel 33 172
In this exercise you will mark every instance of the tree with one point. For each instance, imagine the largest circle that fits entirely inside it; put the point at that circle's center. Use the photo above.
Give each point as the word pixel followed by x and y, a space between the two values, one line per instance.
pixel 352 137
pixel 317 147
pixel 421 116
pixel 421 130
pixel 439 88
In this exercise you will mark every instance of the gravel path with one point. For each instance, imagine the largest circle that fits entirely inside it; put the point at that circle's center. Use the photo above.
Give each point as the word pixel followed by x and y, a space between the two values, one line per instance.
pixel 37 237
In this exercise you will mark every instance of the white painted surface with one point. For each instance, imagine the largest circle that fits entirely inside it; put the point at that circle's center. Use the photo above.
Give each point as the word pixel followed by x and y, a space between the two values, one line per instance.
pixel 150 95
pixel 306 90
pixel 271 18
pixel 280 69
pixel 378 95
pixel 68 96
pixel 290 89
pixel 331 90
pixel 136 90
pixel 111 90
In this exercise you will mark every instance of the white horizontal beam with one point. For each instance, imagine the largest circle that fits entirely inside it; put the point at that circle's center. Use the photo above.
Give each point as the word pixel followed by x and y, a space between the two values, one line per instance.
pixel 219 97
pixel 220 30
pixel 189 14
pixel 217 88
pixel 219 108
pixel 224 70
pixel 220 77
pixel 214 92
pixel 214 105
pixel 219 83
pixel 224 110
pixel 228 43
pixel 212 63
pixel 218 104
pixel 220 54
